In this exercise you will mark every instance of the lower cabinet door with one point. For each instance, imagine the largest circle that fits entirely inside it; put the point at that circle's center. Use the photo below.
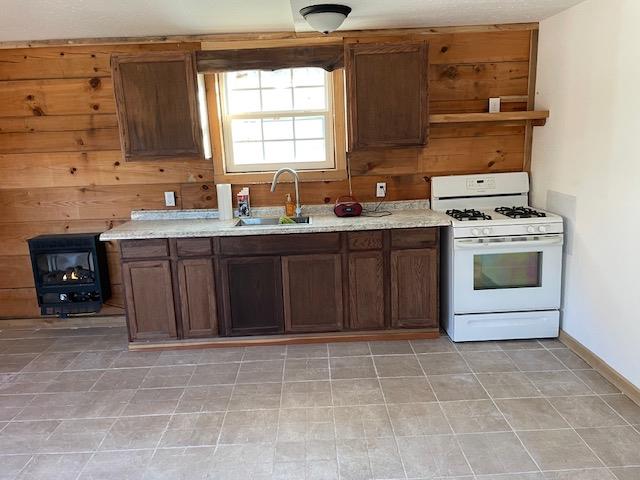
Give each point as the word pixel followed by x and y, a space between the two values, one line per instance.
pixel 312 293
pixel 414 288
pixel 251 295
pixel 366 290
pixel 196 282
pixel 149 296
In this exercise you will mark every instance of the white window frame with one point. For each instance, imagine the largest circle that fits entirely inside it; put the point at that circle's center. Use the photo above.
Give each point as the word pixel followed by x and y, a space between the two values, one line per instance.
pixel 330 162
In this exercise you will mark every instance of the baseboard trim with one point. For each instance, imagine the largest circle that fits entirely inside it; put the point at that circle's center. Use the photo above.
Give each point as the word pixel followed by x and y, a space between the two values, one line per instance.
pixel 290 339
pixel 602 367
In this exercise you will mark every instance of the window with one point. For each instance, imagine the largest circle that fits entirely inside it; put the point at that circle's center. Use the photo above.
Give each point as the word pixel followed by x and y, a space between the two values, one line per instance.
pixel 272 119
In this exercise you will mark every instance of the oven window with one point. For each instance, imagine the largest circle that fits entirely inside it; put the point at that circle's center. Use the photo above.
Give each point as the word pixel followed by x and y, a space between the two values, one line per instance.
pixel 507 270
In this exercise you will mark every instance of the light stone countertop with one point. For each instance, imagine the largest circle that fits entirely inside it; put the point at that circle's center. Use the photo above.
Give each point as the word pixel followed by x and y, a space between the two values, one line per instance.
pixel 175 224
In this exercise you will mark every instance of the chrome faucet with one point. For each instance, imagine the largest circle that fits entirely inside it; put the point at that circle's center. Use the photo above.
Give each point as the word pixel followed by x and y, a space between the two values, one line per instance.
pixel 295 180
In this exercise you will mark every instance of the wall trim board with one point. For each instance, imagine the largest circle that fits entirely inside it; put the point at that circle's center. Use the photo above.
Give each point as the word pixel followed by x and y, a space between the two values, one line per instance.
pixel 602 367
pixel 273 36
pixel 52 323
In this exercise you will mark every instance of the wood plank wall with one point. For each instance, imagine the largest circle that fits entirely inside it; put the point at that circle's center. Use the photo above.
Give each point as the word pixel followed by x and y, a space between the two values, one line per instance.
pixel 61 169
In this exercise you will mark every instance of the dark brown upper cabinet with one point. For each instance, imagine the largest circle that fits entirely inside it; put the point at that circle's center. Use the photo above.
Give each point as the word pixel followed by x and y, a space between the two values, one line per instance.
pixel 387 94
pixel 156 101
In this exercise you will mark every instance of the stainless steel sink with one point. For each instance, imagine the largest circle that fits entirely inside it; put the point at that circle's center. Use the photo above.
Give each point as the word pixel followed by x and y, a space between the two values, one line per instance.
pixel 270 222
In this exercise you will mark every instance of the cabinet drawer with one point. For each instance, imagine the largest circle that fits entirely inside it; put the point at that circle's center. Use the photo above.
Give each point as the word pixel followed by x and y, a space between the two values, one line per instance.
pixel 414 238
pixel 157 247
pixel 193 247
pixel 288 244
pixel 365 240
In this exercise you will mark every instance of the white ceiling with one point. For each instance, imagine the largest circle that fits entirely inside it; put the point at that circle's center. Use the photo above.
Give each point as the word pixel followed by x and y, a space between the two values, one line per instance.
pixel 52 19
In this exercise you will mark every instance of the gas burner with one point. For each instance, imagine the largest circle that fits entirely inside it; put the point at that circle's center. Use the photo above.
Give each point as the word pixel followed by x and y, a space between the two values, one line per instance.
pixel 520 212
pixel 468 215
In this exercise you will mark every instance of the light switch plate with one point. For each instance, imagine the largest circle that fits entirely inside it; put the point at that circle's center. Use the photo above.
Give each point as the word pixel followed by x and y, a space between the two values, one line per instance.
pixel 169 199
pixel 494 105
pixel 381 189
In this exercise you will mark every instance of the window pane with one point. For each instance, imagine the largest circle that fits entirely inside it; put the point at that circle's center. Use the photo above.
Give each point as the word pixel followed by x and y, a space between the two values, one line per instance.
pixel 276 100
pixel 242 101
pixel 247 152
pixel 310 151
pixel 279 152
pixel 242 130
pixel 308 77
pixel 309 98
pixel 276 79
pixel 310 127
pixel 245 79
pixel 278 128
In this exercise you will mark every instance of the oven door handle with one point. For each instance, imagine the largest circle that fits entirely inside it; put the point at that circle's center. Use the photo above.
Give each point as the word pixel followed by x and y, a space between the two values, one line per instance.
pixel 499 243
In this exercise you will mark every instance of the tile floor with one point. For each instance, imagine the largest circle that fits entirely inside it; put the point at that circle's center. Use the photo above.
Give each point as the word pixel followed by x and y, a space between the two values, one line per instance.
pixel 74 404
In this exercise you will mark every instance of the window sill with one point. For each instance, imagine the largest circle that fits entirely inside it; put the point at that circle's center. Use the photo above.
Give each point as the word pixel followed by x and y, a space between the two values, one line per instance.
pixel 267 177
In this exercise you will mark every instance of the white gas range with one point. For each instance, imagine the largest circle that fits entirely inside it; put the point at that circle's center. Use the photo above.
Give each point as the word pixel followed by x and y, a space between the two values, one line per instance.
pixel 502 260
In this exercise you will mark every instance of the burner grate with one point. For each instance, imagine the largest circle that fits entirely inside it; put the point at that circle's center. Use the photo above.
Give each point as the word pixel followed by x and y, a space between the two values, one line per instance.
pixel 520 212
pixel 468 215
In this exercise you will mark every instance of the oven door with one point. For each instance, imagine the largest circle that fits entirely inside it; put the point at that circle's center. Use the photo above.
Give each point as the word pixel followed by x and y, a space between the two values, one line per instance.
pixel 507 274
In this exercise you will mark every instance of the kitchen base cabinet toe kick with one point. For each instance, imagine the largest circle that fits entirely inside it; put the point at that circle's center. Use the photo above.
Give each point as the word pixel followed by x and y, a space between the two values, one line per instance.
pixel 294 284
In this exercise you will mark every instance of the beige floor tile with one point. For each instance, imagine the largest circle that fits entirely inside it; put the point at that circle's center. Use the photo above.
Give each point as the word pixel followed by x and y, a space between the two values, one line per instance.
pixel 275 352
pixel 135 433
pixel 494 453
pixel 581 474
pixel 414 419
pixel 192 430
pixel 77 436
pixel 93 360
pixel 457 387
pixel 365 421
pixel 520 345
pixel 221 355
pixel 214 374
pixel 122 465
pixel 616 446
pixel 123 379
pixel 55 466
pixel 474 416
pixel 596 382
pixel 570 359
pixel 179 357
pixel 261 371
pixel 349 349
pixel 48 362
pixel 364 391
pixel 443 363
pixel 352 367
pixel 432 457
pixel 319 350
pixel 558 450
pixel 586 412
pixel 305 369
pixel 15 363
pixel 508 385
pixel 384 458
pixel 157 401
pixel 626 473
pixel 406 390
pixel 397 366
pixel 167 377
pixel 435 345
pixel 255 426
pixel 135 359
pixel 477 346
pixel 12 465
pixel 306 394
pixel 255 396
pixel 391 347
pixel 530 414
pixel 489 362
pixel 191 463
pixel 212 398
pixel 306 424
pixel 353 460
pixel 535 360
pixel 625 407
pixel 558 384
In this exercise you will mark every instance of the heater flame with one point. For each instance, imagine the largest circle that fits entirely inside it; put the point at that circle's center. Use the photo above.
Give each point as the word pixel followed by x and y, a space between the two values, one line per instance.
pixel 70 276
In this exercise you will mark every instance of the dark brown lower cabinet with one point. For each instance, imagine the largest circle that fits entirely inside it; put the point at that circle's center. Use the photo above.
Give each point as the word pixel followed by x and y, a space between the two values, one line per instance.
pixel 366 290
pixel 196 284
pixel 414 288
pixel 149 295
pixel 312 291
pixel 251 295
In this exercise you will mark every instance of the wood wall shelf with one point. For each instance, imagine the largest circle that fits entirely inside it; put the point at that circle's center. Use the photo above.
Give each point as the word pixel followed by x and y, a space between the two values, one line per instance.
pixel 537 116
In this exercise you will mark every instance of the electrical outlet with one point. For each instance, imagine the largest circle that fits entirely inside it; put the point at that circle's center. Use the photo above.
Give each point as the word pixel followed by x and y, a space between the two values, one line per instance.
pixel 381 189
pixel 169 199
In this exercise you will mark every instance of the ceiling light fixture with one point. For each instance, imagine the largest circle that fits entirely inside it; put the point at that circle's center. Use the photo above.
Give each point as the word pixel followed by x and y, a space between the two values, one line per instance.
pixel 326 17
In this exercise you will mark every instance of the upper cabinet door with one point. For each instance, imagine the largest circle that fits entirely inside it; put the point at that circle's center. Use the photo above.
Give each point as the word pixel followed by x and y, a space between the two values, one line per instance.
pixel 156 100
pixel 387 94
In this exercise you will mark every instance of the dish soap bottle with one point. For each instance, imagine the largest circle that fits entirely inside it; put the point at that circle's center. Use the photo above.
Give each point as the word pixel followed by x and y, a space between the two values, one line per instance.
pixel 289 207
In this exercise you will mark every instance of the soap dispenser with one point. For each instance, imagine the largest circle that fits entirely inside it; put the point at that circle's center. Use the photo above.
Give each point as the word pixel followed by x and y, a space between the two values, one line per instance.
pixel 289 206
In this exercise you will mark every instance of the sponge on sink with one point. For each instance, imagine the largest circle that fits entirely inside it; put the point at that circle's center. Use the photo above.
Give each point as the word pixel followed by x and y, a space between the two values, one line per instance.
pixel 285 220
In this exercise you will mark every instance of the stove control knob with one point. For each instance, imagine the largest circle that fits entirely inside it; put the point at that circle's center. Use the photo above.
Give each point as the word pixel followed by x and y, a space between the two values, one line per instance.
pixel 542 229
pixel 486 231
pixel 531 229
pixel 475 231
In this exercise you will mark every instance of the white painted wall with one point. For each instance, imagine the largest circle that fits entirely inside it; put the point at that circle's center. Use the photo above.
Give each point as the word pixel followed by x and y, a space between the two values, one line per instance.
pixel 586 165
